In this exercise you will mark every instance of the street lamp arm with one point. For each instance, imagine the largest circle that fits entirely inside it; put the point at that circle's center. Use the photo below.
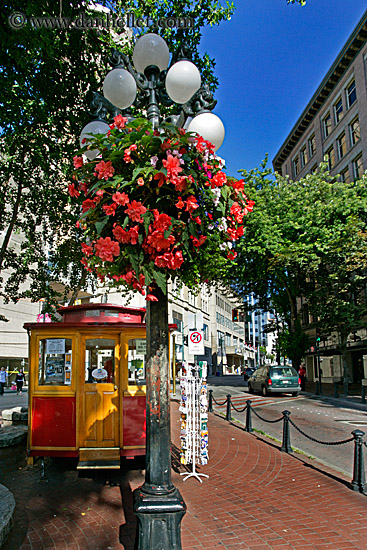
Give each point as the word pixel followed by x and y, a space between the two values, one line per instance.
pixel 202 101
pixel 100 107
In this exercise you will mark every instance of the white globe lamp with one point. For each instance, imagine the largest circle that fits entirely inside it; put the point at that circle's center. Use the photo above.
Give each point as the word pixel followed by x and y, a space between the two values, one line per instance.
pixel 182 81
pixel 119 87
pixel 150 49
pixel 210 127
pixel 94 127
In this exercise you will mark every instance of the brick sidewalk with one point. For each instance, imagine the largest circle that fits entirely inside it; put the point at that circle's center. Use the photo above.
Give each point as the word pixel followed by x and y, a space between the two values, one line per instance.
pixel 256 498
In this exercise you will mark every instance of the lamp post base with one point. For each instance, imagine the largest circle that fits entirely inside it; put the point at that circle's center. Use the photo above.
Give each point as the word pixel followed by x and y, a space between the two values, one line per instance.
pixel 159 520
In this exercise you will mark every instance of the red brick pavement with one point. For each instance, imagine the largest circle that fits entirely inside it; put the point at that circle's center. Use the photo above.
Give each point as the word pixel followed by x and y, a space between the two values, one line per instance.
pixel 256 498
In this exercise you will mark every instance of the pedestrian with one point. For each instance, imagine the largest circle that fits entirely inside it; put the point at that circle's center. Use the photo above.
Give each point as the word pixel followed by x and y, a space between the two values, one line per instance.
pixel 3 379
pixel 19 380
pixel 302 375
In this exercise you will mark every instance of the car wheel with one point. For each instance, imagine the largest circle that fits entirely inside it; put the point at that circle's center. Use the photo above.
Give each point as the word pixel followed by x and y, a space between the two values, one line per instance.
pixel 264 391
pixel 250 388
pixel 295 394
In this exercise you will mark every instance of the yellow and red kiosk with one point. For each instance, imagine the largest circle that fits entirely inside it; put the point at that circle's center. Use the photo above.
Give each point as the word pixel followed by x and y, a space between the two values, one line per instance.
pixel 87 388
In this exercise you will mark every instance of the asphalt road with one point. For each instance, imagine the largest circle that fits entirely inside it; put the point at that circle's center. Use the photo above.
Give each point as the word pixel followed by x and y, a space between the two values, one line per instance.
pixel 323 419
pixel 11 399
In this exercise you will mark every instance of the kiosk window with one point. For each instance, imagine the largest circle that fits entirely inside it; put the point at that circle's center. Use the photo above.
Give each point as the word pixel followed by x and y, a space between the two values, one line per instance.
pixel 54 366
pixel 136 361
pixel 100 360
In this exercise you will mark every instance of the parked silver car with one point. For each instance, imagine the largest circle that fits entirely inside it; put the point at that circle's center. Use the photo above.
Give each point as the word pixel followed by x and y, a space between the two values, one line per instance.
pixel 277 379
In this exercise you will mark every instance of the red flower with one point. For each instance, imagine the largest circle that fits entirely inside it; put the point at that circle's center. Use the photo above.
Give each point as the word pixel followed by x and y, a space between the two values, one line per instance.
pixel 231 255
pixel 135 211
pixel 83 186
pixel 104 170
pixel 127 156
pixel 218 180
pixel 161 177
pixel 106 249
pixel 110 209
pixel 151 298
pixel 72 191
pixel 170 260
pixel 121 235
pixel 120 198
pixel 180 183
pixel 198 242
pixel 198 220
pixel 238 186
pixel 140 181
pixel 88 204
pixel 134 234
pixel 237 212
pixel 87 249
pixel 158 241
pixel 173 167
pixel 78 162
pixel 161 221
pixel 180 203
pixel 191 204
pixel 119 122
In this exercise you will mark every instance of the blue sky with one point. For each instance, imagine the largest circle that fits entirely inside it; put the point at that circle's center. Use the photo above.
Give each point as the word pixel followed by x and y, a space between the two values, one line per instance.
pixel 270 59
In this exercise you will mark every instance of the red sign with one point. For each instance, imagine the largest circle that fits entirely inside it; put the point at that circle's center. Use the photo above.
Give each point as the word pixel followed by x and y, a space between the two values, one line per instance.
pixel 196 337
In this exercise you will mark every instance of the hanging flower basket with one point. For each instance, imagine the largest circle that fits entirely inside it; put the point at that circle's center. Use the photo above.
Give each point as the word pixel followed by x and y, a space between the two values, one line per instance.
pixel 156 204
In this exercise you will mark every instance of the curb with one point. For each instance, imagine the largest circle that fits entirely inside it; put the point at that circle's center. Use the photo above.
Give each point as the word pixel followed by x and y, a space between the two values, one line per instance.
pixel 7 507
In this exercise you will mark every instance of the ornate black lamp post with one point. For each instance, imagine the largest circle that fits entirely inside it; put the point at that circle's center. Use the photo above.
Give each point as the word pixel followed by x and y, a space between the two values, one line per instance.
pixel 158 504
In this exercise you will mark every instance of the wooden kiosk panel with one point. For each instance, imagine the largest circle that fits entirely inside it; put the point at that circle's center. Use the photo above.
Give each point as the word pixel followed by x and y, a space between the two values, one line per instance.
pixel 134 421
pixel 53 422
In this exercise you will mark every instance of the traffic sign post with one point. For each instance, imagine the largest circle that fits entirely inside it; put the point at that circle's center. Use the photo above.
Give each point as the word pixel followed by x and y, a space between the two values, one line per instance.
pixel 196 342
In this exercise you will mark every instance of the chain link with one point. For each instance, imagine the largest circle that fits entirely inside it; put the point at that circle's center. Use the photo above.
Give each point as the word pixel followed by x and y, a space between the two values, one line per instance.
pixel 264 419
pixel 239 410
pixel 220 404
pixel 317 440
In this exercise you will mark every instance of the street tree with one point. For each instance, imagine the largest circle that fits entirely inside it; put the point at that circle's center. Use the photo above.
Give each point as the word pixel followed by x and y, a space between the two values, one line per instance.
pixel 46 74
pixel 304 251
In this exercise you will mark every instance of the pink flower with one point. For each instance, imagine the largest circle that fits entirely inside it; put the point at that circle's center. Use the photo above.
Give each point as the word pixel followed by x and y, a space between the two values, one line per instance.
pixel 104 170
pixel 120 198
pixel 106 249
pixel 134 234
pixel 172 165
pixel 78 162
pixel 72 191
pixel 135 211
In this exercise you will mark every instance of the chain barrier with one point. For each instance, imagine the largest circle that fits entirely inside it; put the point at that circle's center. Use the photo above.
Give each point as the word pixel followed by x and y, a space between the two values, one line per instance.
pixel 318 440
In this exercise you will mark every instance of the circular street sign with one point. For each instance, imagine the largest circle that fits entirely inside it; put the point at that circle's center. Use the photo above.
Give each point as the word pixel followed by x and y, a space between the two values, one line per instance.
pixel 196 337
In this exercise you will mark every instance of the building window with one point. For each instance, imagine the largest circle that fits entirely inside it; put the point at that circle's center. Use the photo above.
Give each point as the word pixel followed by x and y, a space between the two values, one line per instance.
pixel 304 158
pixel 330 157
pixel 358 167
pixel 338 110
pixel 345 176
pixel 351 94
pixel 206 332
pixel 354 131
pixel 341 144
pixel 228 340
pixel 314 169
pixel 295 163
pixel 312 145
pixel 326 125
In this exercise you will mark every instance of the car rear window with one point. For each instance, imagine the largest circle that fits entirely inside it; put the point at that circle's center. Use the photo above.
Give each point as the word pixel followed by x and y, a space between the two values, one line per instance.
pixel 282 371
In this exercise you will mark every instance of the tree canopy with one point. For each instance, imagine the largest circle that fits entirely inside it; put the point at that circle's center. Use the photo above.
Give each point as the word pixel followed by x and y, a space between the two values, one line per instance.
pixel 304 253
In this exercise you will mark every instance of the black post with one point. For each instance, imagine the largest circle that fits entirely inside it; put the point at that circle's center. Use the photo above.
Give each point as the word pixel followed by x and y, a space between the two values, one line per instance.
pixel 210 404
pixel 359 478
pixel 336 393
pixel 286 445
pixel 228 413
pixel 249 427
pixel 363 395
pixel 158 504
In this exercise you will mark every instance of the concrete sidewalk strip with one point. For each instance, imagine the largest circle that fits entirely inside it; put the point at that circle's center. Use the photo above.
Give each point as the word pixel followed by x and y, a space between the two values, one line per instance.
pixel 256 498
